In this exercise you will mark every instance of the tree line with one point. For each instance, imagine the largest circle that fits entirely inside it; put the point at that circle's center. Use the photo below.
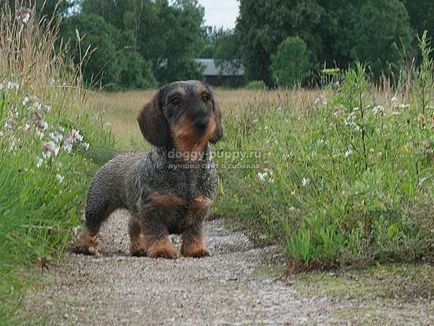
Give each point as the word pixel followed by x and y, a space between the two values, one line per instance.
pixel 145 43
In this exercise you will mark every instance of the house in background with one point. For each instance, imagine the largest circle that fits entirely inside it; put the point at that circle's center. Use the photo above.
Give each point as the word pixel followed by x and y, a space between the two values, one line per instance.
pixel 226 73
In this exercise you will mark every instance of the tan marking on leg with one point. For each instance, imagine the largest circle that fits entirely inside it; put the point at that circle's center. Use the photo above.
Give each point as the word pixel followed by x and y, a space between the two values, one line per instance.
pixel 138 246
pixel 87 244
pixel 201 202
pixel 194 247
pixel 160 248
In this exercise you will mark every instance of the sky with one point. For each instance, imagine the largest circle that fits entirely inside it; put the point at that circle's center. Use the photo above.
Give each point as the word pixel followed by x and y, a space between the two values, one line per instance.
pixel 220 13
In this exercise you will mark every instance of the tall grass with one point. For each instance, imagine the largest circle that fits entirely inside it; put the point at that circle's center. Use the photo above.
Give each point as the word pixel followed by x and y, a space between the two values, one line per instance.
pixel 346 178
pixel 47 139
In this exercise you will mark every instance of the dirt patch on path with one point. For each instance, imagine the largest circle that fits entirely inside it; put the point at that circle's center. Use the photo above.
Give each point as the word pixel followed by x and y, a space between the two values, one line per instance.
pixel 233 286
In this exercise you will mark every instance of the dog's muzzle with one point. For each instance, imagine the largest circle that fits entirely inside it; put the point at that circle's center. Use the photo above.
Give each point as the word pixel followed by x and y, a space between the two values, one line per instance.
pixel 201 122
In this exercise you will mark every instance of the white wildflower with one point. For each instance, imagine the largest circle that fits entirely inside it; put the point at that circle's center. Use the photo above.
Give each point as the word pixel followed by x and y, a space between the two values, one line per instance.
pixel 41 125
pixel 39 162
pixel 266 176
pixel 60 178
pixel 25 14
pixel 12 85
pixel 305 181
pixel 26 18
pixel 75 135
pixel 40 134
pixel 67 147
pixel 51 147
pixel 26 100
pixel 379 109
pixel 56 137
pixel 86 146
pixel 348 152
pixel 46 155
pixel 26 127
pixel 262 176
pixel 8 125
pixel 37 106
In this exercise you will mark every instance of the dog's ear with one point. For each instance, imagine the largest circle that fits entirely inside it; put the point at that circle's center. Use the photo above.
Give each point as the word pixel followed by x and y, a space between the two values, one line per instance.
pixel 218 134
pixel 153 123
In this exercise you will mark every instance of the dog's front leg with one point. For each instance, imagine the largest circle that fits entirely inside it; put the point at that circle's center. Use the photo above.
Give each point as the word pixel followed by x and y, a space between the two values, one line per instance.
pixel 193 241
pixel 156 237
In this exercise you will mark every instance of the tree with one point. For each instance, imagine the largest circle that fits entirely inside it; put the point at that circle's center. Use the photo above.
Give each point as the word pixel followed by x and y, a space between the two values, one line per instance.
pixel 134 71
pixel 227 50
pixel 100 38
pixel 421 13
pixel 263 25
pixel 291 62
pixel 167 35
pixel 336 32
pixel 208 41
pixel 381 31
pixel 112 59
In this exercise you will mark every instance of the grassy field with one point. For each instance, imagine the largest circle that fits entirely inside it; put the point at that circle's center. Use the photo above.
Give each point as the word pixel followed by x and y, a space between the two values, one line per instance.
pixel 339 177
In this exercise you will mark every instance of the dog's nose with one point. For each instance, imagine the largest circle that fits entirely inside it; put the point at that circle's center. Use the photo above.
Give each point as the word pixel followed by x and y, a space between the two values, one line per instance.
pixel 201 122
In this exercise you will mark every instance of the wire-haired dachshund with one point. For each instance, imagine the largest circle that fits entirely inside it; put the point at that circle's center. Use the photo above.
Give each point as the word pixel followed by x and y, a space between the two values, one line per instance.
pixel 169 189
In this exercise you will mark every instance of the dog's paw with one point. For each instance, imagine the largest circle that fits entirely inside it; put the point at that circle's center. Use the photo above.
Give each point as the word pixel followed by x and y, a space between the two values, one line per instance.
pixel 138 248
pixel 86 245
pixel 162 249
pixel 195 252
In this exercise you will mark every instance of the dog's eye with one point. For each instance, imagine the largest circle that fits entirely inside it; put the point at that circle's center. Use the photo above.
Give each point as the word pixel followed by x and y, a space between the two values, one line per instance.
pixel 206 98
pixel 174 100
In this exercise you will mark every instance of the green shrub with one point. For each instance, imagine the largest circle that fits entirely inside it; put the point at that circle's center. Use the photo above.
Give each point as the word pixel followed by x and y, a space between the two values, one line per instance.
pixel 290 64
pixel 344 181
pixel 256 85
pixel 134 71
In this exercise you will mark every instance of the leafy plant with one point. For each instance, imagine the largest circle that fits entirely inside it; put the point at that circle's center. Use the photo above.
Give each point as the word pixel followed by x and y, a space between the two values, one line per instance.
pixel 291 63
pixel 256 85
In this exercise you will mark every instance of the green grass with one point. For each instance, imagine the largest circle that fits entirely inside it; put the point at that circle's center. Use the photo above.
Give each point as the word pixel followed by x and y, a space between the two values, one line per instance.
pixel 50 145
pixel 346 179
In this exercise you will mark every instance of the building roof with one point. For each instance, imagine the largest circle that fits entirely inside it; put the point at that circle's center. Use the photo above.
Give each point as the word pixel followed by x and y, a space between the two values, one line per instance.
pixel 226 68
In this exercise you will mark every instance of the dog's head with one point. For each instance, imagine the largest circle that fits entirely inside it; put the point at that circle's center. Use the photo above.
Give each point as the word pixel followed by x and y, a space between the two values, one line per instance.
pixel 183 114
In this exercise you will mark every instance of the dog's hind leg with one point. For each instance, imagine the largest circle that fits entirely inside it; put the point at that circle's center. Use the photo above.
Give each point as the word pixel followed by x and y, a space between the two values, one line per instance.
pixel 97 211
pixel 137 247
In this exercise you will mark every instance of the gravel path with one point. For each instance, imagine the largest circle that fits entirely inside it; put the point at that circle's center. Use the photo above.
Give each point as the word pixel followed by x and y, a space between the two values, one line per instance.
pixel 225 288
pixel 230 287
